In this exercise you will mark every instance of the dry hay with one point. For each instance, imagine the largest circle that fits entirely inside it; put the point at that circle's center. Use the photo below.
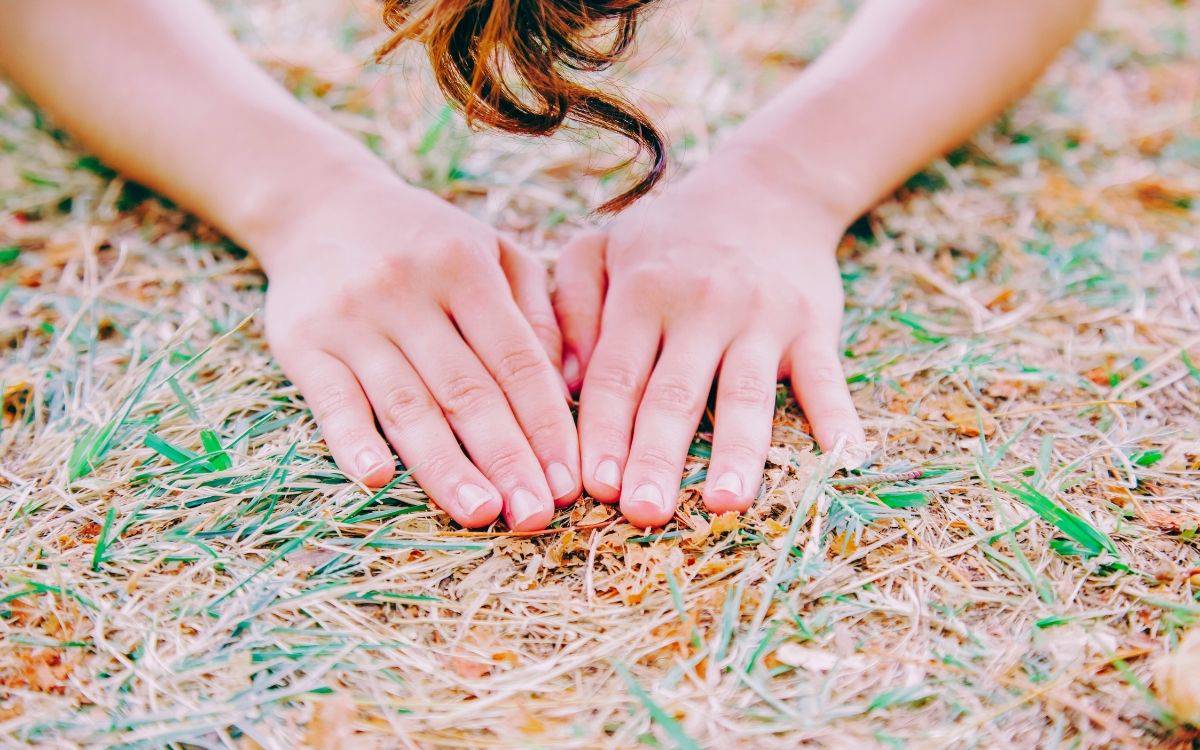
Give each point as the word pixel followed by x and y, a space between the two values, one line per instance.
pixel 1023 333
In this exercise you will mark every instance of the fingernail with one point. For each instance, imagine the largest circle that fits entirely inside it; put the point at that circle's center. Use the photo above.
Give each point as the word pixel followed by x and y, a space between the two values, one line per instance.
pixel 728 482
pixel 560 479
pixel 649 494
pixel 368 461
pixel 570 368
pixel 609 473
pixel 523 506
pixel 472 497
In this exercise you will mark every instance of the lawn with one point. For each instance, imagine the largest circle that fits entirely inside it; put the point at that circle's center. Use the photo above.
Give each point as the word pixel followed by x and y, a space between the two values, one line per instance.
pixel 182 565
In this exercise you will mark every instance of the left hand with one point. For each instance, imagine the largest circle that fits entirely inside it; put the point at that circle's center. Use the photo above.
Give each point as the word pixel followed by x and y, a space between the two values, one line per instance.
pixel 721 276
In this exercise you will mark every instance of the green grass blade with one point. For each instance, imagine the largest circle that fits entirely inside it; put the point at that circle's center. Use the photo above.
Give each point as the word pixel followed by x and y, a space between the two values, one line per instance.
pixel 1087 536
pixel 214 451
pixel 674 730
pixel 102 540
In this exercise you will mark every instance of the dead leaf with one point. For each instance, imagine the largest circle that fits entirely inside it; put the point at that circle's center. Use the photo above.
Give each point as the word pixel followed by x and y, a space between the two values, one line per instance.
pixel 599 513
pixel 332 724
pixel 1165 520
pixel 968 421
pixel 814 659
pixel 725 523
pixel 469 667
pixel 843 544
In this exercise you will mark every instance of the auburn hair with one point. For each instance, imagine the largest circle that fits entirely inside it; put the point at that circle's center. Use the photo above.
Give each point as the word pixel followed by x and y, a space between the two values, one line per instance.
pixel 508 64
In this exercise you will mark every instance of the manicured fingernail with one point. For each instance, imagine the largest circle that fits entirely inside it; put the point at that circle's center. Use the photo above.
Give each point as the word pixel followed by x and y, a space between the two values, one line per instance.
pixel 609 473
pixel 522 506
pixel 472 497
pixel 728 482
pixel 649 495
pixel 369 461
pixel 570 368
pixel 560 479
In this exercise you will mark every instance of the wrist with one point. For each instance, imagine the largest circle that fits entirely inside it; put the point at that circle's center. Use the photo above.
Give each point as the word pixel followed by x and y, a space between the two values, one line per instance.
pixel 269 215
pixel 792 176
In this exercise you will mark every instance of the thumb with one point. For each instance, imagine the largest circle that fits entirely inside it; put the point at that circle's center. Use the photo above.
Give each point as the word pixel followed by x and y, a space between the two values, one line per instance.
pixel 528 279
pixel 579 288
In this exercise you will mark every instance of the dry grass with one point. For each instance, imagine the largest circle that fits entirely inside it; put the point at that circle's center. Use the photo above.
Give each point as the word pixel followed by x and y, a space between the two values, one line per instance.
pixel 1024 329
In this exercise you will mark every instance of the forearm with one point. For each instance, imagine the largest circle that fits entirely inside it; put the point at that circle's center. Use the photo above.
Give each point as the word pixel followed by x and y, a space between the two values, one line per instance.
pixel 908 80
pixel 162 93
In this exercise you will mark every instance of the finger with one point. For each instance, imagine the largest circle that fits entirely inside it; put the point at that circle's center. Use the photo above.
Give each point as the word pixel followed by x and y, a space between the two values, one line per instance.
pixel 494 328
pixel 343 414
pixel 666 422
pixel 820 387
pixel 612 390
pixel 579 286
pixel 417 429
pixel 742 433
pixel 531 291
pixel 479 414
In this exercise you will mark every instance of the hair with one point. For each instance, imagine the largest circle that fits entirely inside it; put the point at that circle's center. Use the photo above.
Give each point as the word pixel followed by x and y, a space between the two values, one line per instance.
pixel 508 64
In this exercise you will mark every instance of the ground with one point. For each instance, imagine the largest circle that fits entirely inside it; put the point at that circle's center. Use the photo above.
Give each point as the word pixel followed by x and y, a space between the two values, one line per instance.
pixel 182 565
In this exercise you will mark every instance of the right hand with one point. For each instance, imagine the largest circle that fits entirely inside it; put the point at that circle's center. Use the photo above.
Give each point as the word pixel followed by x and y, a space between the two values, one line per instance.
pixel 386 303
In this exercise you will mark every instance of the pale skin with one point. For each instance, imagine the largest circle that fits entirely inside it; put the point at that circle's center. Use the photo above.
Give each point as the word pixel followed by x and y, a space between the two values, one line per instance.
pixel 387 305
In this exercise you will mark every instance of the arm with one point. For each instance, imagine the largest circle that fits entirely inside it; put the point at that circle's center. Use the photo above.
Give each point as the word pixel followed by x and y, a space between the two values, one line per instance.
pixel 732 269
pixel 163 95
pixel 908 81
pixel 384 303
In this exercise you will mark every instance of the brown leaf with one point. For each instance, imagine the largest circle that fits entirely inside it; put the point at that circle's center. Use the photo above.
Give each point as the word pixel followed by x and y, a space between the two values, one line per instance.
pixel 724 523
pixel 332 724
pixel 843 544
pixel 469 667
pixel 968 421
pixel 1165 520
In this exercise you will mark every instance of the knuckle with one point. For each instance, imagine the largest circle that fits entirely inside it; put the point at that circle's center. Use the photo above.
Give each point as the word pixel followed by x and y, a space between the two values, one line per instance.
pixel 703 286
pixel 833 414
pixel 348 438
pixel 394 266
pixel 463 257
pixel 402 403
pixel 739 452
pixel 439 463
pixel 330 403
pixel 654 461
pixel 609 436
pixel 748 390
pixel 674 396
pixel 755 298
pixel 547 432
pixel 519 364
pixel 345 302
pixel 619 379
pixel 803 308
pixel 825 375
pixel 504 461
pixel 465 394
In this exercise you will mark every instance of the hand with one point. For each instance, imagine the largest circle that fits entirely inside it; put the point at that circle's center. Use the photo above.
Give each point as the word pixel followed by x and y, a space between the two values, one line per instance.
pixel 386 303
pixel 720 276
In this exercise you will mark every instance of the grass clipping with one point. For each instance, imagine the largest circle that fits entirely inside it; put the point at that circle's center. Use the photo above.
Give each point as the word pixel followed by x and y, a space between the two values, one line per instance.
pixel 181 565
